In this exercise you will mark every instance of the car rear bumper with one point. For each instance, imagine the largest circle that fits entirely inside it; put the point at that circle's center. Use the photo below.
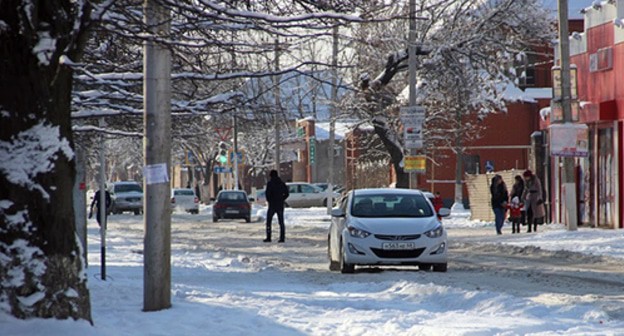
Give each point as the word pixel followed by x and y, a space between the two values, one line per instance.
pixel 123 205
pixel 230 214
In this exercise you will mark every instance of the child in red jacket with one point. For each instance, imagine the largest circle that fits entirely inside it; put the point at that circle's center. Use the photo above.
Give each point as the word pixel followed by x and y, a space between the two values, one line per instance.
pixel 515 214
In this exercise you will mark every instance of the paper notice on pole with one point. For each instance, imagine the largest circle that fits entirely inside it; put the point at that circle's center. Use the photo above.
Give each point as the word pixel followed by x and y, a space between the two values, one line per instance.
pixel 156 173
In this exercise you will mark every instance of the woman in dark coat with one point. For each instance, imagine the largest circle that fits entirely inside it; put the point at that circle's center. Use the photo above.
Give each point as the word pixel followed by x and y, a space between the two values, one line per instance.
pixel 516 191
pixel 500 196
pixel 533 200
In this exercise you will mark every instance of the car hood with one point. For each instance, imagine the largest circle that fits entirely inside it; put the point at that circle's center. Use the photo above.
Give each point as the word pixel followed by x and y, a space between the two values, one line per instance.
pixel 395 225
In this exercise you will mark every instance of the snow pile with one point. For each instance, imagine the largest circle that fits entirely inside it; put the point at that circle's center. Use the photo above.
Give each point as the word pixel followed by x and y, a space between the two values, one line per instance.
pixel 252 288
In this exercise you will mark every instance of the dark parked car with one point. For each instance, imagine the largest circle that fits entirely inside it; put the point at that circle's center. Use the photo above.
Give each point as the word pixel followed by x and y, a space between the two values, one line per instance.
pixel 231 204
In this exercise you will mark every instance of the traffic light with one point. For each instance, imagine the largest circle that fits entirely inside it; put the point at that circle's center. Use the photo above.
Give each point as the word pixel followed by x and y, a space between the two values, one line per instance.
pixel 222 157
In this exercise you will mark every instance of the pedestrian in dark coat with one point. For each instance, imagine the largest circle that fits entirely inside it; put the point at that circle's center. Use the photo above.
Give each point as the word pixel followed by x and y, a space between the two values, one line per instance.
pixel 499 199
pixel 533 200
pixel 276 193
pixel 95 206
pixel 516 191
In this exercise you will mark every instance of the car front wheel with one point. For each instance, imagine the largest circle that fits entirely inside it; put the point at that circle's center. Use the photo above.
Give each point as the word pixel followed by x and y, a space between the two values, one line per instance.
pixel 344 266
pixel 215 219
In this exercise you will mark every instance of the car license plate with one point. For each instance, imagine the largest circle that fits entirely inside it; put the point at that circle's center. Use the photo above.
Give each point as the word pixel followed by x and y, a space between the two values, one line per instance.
pixel 398 246
pixel 231 211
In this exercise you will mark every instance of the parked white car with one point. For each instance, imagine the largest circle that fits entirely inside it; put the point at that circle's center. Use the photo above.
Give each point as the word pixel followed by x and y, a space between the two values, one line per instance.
pixel 304 195
pixel 183 199
pixel 386 227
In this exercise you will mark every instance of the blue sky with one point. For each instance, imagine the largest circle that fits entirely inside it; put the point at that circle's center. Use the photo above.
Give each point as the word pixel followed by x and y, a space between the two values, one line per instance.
pixel 574 7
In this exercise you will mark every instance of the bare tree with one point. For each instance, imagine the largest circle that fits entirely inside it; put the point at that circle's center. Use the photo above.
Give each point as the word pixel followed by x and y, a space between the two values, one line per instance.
pixel 472 47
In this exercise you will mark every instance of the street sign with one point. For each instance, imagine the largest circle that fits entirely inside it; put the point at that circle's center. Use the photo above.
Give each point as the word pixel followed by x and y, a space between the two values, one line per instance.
pixel 312 149
pixel 556 114
pixel 412 118
pixel 239 157
pixel 410 111
pixel 416 163
pixel 222 170
pixel 557 83
pixel 569 140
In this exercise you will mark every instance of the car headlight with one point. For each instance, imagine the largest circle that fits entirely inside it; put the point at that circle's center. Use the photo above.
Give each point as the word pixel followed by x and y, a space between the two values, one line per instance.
pixel 435 233
pixel 355 232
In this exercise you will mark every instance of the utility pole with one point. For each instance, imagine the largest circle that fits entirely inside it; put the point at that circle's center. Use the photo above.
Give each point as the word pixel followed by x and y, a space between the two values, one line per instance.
pixel 411 48
pixel 566 99
pixel 278 106
pixel 102 208
pixel 235 154
pixel 332 120
pixel 157 158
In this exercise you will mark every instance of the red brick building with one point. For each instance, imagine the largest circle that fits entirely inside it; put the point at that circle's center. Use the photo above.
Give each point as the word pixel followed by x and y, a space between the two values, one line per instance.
pixel 597 53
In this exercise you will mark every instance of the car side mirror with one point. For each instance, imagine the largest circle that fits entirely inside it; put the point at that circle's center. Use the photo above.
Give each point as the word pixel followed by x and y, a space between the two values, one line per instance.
pixel 444 212
pixel 337 213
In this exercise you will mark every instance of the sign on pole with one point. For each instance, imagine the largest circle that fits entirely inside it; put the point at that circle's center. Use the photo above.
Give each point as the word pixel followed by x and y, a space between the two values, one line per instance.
pixel 557 83
pixel 416 163
pixel 413 118
pixel 312 150
pixel 222 170
pixel 569 140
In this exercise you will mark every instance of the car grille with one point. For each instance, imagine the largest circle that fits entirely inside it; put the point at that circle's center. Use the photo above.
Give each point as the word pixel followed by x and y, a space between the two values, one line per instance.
pixel 399 237
pixel 398 254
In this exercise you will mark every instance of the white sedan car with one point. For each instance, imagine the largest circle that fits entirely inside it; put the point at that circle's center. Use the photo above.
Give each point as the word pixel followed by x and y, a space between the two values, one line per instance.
pixel 386 227
pixel 184 199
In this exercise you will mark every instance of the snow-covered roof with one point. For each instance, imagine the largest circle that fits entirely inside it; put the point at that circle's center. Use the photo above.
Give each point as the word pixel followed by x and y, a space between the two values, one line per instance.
pixel 530 95
pixel 341 129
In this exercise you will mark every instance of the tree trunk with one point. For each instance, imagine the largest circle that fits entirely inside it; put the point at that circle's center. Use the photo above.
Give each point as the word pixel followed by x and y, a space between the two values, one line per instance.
pixel 396 154
pixel 41 266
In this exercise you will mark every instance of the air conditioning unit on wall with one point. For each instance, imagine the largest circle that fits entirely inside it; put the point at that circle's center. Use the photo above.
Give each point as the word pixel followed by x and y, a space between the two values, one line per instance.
pixel 601 60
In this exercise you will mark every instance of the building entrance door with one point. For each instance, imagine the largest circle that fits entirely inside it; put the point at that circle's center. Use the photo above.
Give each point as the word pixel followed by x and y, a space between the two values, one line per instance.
pixel 606 183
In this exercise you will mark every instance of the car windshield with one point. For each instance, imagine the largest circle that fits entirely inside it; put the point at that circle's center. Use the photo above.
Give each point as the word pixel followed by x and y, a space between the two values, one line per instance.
pixel 120 188
pixel 390 205
pixel 232 197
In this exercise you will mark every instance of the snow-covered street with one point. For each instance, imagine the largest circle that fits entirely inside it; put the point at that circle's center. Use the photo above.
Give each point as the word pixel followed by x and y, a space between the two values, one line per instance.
pixel 225 281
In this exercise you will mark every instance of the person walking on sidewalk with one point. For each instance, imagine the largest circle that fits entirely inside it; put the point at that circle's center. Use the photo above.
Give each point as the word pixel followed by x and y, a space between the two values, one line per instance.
pixel 533 200
pixel 515 214
pixel 95 206
pixel 276 194
pixel 516 191
pixel 500 196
